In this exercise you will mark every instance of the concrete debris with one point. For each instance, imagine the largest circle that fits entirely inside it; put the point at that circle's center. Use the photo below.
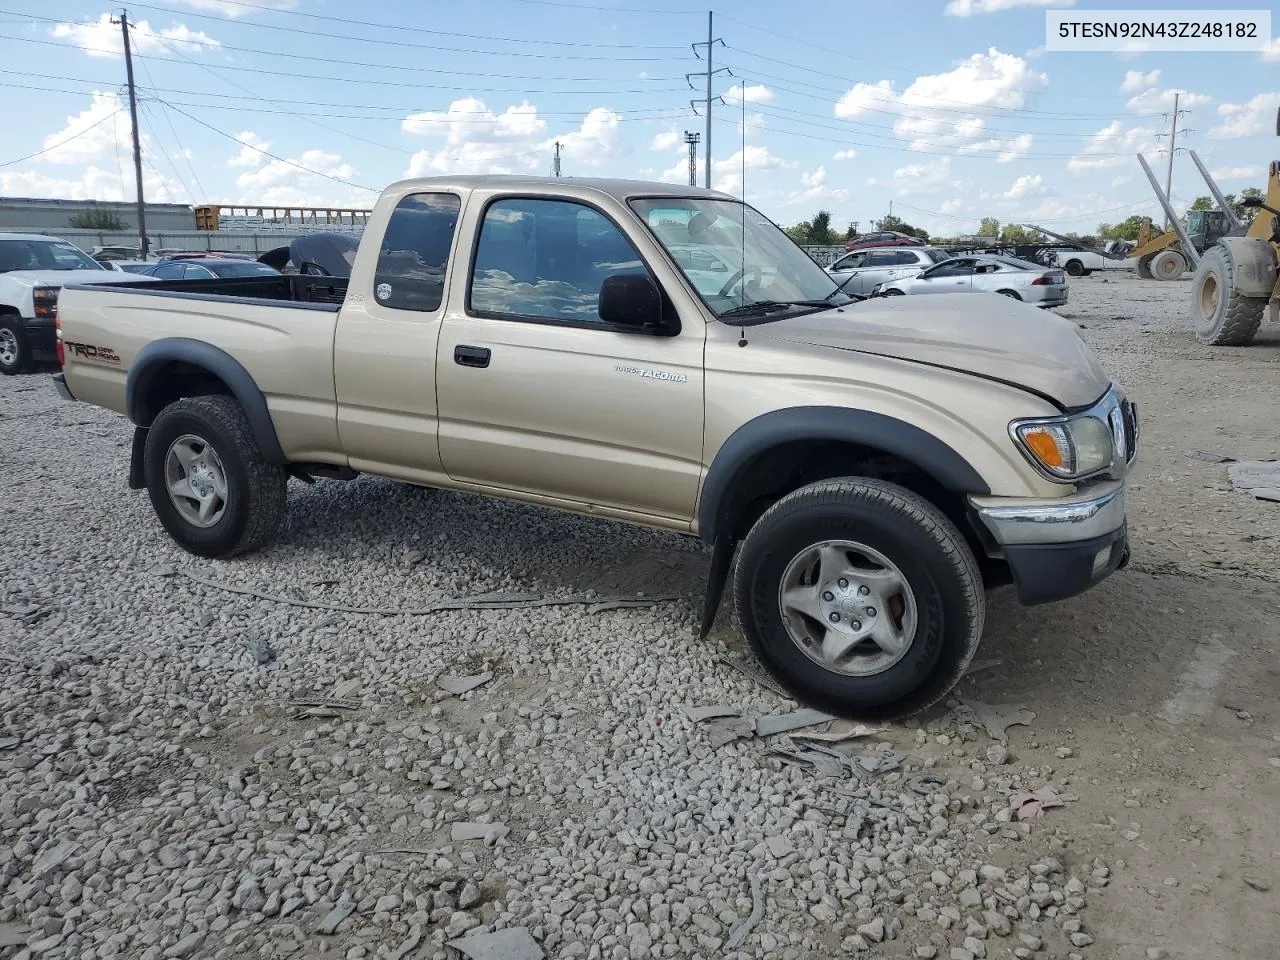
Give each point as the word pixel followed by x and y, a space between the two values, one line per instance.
pixel 842 730
pixel 409 945
pixel 1257 884
pixel 773 724
pixel 25 610
pixel 779 845
pixel 52 858
pixel 837 759
pixel 977 666
pixel 460 685
pixel 346 689
pixel 738 932
pixel 701 714
pixel 1261 478
pixel 329 925
pixel 1207 456
pixel 998 719
pixel 509 943
pixel 462 832
pixel 186 946
pixel 261 650
pixel 997 754
pixel 1026 805
pixel 728 729
pixel 13 934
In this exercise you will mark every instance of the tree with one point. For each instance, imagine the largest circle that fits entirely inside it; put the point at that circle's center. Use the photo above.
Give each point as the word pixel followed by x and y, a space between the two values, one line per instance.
pixel 816 232
pixel 1202 203
pixel 1246 214
pixel 1017 233
pixel 96 220
pixel 898 225
pixel 852 232
pixel 1126 229
pixel 990 227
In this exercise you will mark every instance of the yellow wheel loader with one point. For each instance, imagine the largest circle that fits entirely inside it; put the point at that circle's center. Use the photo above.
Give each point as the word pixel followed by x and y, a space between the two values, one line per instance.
pixel 1167 255
pixel 1239 276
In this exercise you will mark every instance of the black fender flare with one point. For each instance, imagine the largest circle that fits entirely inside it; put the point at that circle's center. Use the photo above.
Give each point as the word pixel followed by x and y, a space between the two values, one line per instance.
pixel 756 437
pixel 151 359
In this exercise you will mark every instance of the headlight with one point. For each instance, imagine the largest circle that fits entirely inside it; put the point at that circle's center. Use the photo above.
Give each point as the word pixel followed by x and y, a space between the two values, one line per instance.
pixel 1067 448
pixel 46 300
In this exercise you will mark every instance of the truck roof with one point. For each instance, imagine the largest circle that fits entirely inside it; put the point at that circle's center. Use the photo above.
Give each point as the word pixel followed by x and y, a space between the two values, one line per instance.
pixel 28 236
pixel 621 190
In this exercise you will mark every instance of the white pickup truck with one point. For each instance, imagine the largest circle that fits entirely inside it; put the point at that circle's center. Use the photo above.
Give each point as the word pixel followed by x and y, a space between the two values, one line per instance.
pixel 1081 263
pixel 33 269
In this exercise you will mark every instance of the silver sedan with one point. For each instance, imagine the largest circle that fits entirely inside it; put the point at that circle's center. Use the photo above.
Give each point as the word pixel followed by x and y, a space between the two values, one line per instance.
pixel 1020 279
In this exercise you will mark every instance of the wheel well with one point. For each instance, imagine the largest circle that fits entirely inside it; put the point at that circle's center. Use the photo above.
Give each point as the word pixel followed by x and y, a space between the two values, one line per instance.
pixel 7 311
pixel 173 380
pixel 773 474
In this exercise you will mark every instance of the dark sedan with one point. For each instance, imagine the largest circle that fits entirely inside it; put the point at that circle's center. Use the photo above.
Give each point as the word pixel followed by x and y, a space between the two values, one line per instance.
pixel 208 268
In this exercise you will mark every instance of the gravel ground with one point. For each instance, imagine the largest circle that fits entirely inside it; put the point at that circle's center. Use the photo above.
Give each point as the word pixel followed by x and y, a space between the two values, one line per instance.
pixel 164 796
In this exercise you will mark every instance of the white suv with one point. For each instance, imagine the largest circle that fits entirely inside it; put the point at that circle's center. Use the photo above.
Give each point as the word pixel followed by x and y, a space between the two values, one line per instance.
pixel 861 270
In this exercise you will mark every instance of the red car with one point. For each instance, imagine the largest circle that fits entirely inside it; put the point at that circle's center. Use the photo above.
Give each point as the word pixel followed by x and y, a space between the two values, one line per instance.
pixel 886 238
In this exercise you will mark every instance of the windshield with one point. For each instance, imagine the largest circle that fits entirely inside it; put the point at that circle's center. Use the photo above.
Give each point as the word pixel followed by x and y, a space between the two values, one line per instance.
pixel 734 257
pixel 936 255
pixel 44 255
pixel 234 268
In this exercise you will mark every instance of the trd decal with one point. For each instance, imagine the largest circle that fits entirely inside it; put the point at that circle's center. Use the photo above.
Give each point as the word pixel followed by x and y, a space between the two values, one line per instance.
pixel 89 352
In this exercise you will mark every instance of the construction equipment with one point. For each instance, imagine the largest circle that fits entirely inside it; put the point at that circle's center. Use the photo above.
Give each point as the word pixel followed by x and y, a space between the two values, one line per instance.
pixel 1167 254
pixel 1078 266
pixel 1239 274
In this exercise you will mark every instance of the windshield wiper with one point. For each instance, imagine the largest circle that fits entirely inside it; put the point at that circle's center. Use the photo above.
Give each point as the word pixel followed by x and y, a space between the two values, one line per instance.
pixel 761 307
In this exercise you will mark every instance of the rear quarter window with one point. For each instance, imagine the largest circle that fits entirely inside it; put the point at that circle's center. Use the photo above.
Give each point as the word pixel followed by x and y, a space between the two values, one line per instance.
pixel 415 252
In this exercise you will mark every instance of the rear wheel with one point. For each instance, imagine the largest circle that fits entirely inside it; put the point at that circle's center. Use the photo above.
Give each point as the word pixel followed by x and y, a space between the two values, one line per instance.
pixel 209 485
pixel 1220 315
pixel 893 293
pixel 1168 265
pixel 15 352
pixel 1144 267
pixel 1074 268
pixel 1009 293
pixel 860 597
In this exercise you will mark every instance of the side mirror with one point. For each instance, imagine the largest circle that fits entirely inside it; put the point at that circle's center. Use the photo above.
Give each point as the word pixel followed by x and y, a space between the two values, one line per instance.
pixel 631 300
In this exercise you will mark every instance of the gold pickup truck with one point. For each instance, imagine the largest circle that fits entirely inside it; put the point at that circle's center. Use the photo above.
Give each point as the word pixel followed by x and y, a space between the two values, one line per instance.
pixel 656 354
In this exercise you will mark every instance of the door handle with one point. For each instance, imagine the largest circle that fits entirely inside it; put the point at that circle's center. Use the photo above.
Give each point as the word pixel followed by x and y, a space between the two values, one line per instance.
pixel 466 356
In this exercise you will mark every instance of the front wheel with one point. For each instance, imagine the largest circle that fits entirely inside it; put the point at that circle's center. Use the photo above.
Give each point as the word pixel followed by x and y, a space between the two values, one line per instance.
pixel 1220 315
pixel 860 597
pixel 1168 265
pixel 1144 267
pixel 892 293
pixel 15 352
pixel 208 482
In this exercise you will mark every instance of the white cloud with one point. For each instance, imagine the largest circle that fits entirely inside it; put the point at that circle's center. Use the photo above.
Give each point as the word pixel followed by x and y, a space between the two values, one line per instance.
pixel 230 9
pixel 919 178
pixel 815 189
pixel 1272 50
pixel 89 136
pixel 726 174
pixel 1120 180
pixel 1238 173
pixel 954 205
pixel 756 93
pixel 930 113
pixel 1157 101
pixel 667 140
pixel 474 139
pixel 92 183
pixel 1027 186
pixel 1246 119
pixel 968 8
pixel 1135 80
pixel 845 154
pixel 1035 53
pixel 102 38
pixel 249 157
pixel 815 179
pixel 283 183
pixel 1113 146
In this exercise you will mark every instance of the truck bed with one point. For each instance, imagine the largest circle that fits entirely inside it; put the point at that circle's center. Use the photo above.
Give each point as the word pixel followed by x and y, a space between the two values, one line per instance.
pixel 326 293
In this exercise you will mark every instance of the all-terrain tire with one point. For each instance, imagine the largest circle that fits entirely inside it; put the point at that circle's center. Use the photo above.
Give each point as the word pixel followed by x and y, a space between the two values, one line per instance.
pixel 1168 265
pixel 933 558
pixel 1221 316
pixel 15 351
pixel 255 502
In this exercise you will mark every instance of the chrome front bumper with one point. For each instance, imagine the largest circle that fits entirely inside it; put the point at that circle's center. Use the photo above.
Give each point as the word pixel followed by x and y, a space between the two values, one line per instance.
pixel 1083 516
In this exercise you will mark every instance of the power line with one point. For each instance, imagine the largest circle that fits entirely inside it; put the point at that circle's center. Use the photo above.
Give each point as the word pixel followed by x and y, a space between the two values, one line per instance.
pixel 380 83
pixel 268 153
pixel 185 154
pixel 397 27
pixel 55 146
pixel 150 129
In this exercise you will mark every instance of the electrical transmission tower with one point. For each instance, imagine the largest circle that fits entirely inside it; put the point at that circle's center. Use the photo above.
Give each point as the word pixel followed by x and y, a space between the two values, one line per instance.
pixel 692 140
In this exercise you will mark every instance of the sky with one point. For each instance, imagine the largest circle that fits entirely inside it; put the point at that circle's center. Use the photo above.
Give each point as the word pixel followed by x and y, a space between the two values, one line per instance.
pixel 949 114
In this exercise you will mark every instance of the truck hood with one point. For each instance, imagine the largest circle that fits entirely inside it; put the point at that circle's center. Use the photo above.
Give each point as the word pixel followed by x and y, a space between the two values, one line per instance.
pixel 987 335
pixel 61 278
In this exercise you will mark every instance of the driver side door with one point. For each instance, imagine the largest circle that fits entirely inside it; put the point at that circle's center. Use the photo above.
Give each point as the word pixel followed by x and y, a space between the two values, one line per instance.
pixel 848 272
pixel 951 276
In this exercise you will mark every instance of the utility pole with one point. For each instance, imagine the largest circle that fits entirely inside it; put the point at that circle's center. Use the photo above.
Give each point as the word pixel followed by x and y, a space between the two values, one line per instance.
pixel 137 144
pixel 1173 146
pixel 712 40
pixel 692 140
pixel 555 164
